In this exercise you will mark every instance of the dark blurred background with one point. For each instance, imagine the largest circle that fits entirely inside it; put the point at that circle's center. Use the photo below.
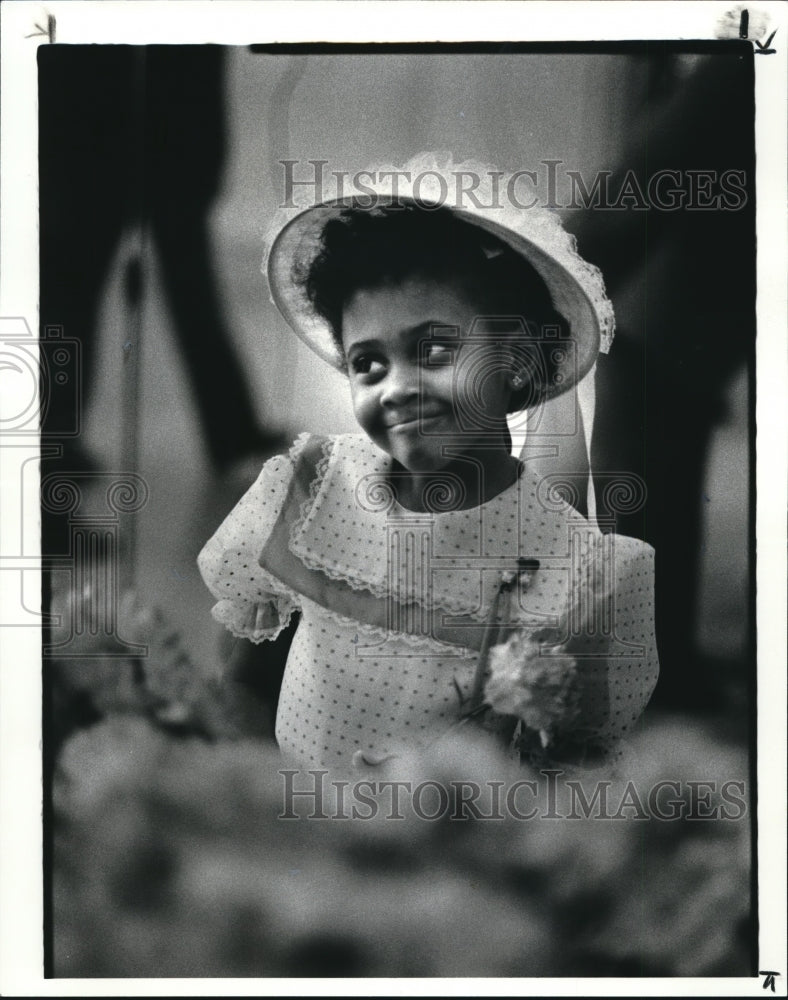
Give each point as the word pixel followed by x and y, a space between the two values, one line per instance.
pixel 159 172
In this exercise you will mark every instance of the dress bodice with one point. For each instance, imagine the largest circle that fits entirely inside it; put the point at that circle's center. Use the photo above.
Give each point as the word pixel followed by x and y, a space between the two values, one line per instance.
pixel 380 660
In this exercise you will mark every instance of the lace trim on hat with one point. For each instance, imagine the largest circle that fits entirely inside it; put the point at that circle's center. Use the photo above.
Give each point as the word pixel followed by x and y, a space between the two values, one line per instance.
pixel 437 184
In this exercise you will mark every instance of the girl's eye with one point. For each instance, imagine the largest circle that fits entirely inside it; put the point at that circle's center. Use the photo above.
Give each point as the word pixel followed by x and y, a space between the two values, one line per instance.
pixel 366 364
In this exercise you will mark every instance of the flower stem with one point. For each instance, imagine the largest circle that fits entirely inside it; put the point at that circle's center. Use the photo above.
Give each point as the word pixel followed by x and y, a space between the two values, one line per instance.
pixel 492 628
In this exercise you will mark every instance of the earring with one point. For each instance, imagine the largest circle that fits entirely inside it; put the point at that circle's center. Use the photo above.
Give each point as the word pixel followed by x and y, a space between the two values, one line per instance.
pixel 517 381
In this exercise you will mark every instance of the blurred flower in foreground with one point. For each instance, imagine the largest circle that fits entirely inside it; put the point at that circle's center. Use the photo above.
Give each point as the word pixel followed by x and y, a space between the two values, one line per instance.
pixel 171 859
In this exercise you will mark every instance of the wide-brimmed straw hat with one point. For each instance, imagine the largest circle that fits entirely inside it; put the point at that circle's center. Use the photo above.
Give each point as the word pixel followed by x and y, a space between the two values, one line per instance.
pixel 489 202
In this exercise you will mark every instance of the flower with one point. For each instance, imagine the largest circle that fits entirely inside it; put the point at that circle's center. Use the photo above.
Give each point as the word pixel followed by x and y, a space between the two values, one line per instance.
pixel 534 681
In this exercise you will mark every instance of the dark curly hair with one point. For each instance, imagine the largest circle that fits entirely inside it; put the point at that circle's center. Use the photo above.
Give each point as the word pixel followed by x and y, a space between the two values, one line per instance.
pixel 369 248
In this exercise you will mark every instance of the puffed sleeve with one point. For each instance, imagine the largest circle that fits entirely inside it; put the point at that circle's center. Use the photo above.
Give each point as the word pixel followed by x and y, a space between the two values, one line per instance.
pixel 616 652
pixel 252 603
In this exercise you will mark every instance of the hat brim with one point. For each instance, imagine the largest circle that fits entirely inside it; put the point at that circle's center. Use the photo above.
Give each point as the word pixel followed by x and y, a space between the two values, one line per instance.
pixel 299 241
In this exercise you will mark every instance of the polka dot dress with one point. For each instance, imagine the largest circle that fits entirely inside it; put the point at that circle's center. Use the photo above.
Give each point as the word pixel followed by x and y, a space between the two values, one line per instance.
pixel 353 685
pixel 347 688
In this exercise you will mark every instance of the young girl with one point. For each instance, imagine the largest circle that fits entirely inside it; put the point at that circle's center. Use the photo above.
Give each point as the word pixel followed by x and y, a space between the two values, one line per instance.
pixel 414 548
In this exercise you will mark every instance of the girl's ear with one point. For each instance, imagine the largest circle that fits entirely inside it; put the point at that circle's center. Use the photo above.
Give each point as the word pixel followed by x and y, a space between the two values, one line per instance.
pixel 523 389
pixel 515 383
pixel 516 379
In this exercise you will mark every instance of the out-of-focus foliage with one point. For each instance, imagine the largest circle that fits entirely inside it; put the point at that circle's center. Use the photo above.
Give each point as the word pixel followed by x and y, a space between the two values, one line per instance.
pixel 170 860
pixel 163 685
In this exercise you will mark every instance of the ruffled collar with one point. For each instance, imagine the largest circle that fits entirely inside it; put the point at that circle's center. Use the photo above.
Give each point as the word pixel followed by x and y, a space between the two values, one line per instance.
pixel 352 529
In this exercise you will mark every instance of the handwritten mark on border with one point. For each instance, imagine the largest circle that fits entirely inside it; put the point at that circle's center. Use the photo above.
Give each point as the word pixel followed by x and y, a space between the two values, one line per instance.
pixel 769 980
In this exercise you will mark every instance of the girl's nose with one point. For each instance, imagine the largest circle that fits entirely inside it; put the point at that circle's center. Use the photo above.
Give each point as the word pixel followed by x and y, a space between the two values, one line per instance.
pixel 401 385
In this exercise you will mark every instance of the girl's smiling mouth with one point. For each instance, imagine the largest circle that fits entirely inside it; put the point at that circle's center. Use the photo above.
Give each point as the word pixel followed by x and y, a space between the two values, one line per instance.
pixel 407 421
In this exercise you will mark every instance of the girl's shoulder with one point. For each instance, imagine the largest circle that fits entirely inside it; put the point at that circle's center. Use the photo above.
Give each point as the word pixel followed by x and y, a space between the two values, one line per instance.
pixel 303 488
pixel 544 506
pixel 343 450
pixel 347 468
pixel 335 507
pixel 311 459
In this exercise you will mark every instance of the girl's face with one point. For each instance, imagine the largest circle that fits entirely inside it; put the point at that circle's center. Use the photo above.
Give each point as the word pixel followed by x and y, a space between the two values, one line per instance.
pixel 427 382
